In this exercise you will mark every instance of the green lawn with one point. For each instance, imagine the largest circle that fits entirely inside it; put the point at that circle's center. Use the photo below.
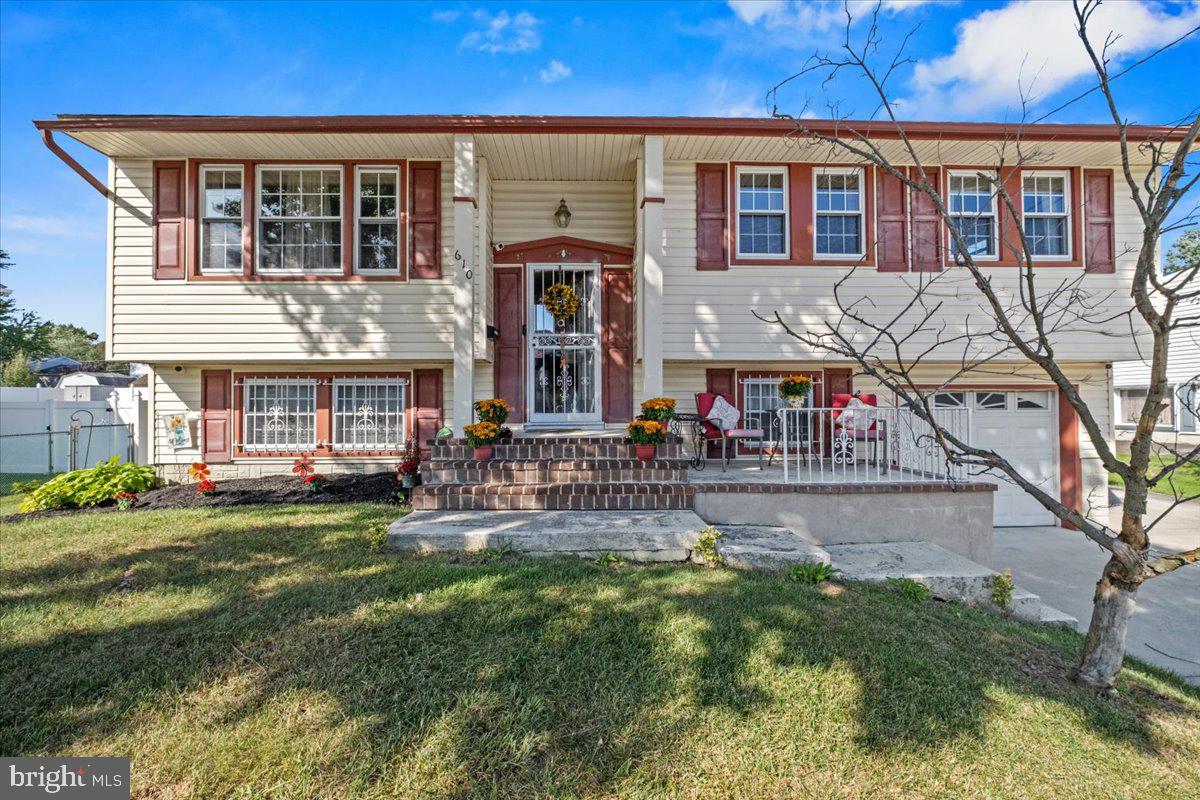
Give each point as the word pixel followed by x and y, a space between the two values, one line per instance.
pixel 8 500
pixel 1185 482
pixel 272 652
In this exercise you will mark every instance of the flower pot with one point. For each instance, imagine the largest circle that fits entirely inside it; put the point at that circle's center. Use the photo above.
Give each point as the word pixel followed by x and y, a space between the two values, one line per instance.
pixel 483 453
pixel 645 452
pixel 410 481
pixel 795 401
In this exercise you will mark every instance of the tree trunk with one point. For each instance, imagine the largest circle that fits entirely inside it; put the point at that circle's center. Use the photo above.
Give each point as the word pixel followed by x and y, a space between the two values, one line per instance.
pixel 1104 648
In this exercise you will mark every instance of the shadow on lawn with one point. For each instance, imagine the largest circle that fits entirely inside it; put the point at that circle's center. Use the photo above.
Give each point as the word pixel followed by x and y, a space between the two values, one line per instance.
pixel 557 676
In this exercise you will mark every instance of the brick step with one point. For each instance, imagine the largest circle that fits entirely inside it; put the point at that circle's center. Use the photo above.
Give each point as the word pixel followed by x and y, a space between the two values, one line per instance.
pixel 553 496
pixel 542 449
pixel 604 470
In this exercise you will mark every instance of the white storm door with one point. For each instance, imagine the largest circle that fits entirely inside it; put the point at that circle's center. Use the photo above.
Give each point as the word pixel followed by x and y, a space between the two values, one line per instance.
pixel 563 381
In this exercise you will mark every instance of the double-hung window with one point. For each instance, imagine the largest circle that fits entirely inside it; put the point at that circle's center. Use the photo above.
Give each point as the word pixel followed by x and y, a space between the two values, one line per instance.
pixel 221 220
pixel 300 220
pixel 762 212
pixel 368 413
pixel 839 212
pixel 279 414
pixel 1045 212
pixel 378 221
pixel 973 214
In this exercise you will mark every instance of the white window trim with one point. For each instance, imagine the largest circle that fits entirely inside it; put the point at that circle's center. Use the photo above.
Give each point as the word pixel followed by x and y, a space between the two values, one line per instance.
pixel 973 173
pixel 358 172
pixel 1119 407
pixel 787 212
pixel 1051 173
pixel 272 448
pixel 400 382
pixel 861 213
pixel 258 170
pixel 200 215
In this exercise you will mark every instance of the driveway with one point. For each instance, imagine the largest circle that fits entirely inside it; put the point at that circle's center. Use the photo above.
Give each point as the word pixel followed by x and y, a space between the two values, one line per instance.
pixel 1063 566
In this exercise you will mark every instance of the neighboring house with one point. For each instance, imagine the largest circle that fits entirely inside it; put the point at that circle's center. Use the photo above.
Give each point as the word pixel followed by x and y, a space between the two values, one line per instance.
pixel 335 285
pixel 49 370
pixel 1180 422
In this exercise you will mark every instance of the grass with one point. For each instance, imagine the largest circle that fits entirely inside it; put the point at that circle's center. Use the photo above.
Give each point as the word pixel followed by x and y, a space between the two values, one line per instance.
pixel 8 499
pixel 272 652
pixel 1185 481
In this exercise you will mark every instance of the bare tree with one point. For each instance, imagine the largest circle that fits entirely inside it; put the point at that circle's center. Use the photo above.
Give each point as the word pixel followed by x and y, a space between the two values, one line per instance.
pixel 1023 317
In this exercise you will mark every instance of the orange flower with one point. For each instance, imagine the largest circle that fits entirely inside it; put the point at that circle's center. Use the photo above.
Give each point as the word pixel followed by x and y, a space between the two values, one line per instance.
pixel 199 471
pixel 304 466
pixel 795 386
pixel 481 433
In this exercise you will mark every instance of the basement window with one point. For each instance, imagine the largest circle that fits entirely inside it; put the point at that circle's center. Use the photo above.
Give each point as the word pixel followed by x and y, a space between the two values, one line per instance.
pixel 368 413
pixel 280 414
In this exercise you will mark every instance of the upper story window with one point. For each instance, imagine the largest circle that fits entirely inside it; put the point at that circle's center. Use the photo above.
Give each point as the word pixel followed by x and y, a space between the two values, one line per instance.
pixel 1046 211
pixel 299 220
pixel 762 212
pixel 378 220
pixel 839 212
pixel 973 213
pixel 221 219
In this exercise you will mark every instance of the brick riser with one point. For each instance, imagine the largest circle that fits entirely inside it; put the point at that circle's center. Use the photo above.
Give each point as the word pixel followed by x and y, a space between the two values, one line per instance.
pixel 545 450
pixel 554 471
pixel 555 497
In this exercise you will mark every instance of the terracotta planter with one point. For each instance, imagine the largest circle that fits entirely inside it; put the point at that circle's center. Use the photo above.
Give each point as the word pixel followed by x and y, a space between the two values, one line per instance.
pixel 645 452
pixel 483 453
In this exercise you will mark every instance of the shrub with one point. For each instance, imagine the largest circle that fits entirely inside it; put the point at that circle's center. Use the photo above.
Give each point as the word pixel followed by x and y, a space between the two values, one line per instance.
pixel 811 573
pixel 609 559
pixel 1002 590
pixel 910 589
pixel 89 487
pixel 706 547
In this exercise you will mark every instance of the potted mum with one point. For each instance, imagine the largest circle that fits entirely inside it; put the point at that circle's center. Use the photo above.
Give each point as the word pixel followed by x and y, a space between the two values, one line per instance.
pixel 480 436
pixel 495 411
pixel 659 409
pixel 410 465
pixel 795 389
pixel 646 435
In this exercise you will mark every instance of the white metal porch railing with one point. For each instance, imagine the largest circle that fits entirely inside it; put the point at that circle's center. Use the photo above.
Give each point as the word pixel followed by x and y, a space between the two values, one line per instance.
pixel 867 444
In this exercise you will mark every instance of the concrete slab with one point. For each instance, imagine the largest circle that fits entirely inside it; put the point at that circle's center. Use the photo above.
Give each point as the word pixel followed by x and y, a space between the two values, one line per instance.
pixel 948 575
pixel 633 535
pixel 766 548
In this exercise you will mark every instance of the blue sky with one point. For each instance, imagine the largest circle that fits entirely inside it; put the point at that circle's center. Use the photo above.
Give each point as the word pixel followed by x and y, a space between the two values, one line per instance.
pixel 649 58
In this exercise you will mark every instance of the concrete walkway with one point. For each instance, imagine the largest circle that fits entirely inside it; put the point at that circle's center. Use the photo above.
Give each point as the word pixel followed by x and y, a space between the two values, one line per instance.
pixel 1062 567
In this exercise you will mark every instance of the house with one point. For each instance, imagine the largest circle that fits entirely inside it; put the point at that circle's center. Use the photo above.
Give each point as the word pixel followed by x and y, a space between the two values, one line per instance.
pixel 49 370
pixel 334 285
pixel 1178 423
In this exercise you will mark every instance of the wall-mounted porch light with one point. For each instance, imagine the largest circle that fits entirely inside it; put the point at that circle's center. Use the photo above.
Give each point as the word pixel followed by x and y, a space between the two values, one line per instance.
pixel 562 217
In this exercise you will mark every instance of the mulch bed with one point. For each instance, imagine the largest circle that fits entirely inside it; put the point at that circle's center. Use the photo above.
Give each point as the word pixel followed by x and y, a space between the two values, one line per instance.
pixel 375 487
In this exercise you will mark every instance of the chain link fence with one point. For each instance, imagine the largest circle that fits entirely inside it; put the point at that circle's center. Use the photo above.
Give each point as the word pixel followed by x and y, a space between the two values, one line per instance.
pixel 81 445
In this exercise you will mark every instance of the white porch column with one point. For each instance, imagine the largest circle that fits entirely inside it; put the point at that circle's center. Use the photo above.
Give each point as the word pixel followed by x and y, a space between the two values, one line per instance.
pixel 464 267
pixel 652 266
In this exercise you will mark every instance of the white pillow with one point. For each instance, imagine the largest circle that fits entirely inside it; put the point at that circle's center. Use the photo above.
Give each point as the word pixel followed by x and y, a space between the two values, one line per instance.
pixel 724 415
pixel 857 416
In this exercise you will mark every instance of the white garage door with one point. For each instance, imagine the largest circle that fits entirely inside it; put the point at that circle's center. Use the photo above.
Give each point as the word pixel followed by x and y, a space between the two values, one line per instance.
pixel 1020 426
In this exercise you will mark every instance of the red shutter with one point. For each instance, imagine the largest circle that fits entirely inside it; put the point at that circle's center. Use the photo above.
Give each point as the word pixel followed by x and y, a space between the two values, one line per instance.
pixel 616 306
pixel 1098 211
pixel 425 219
pixel 427 406
pixel 170 201
pixel 509 372
pixel 926 227
pixel 712 217
pixel 838 380
pixel 215 427
pixel 893 223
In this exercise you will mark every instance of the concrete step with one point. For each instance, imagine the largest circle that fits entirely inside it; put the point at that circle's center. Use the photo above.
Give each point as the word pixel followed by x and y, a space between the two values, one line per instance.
pixel 554 496
pixel 632 535
pixel 766 548
pixel 601 470
pixel 571 448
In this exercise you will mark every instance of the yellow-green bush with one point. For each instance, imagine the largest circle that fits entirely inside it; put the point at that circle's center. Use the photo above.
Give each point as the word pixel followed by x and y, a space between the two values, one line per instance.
pixel 89 487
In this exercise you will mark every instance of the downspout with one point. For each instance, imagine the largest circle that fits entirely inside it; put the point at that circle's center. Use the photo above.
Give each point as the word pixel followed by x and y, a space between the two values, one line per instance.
pixel 65 157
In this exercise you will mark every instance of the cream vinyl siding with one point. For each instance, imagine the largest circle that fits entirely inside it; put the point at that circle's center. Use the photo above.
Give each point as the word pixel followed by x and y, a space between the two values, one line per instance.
pixel 600 210
pixel 154 320
pixel 179 393
pixel 708 314
pixel 1183 356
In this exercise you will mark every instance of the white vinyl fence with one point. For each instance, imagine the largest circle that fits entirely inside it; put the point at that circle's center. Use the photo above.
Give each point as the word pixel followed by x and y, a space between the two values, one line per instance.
pixel 41 433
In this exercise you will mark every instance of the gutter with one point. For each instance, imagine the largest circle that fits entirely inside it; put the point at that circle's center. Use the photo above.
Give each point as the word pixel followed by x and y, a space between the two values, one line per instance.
pixel 65 157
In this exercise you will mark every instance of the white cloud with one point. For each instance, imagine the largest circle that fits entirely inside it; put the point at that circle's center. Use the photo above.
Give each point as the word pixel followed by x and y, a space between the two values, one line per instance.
pixel 504 33
pixel 554 71
pixel 74 227
pixel 800 22
pixel 721 99
pixel 1029 42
